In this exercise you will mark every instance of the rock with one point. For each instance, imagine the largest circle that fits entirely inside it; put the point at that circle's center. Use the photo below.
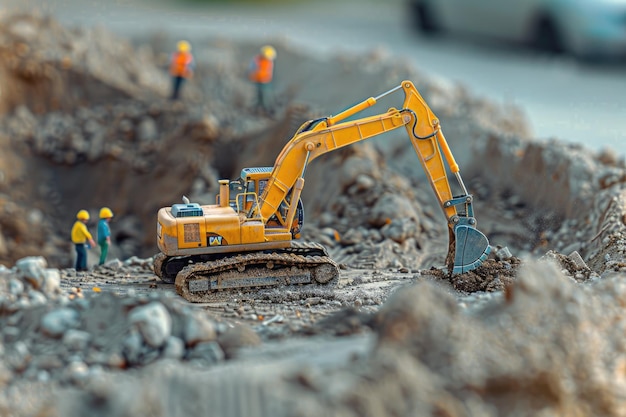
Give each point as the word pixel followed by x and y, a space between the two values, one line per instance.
pixel 357 165
pixel 353 236
pixel 35 217
pixel 389 207
pixel 326 219
pixel 174 348
pixel 153 322
pixel 147 130
pixel 204 129
pixel 503 253
pixel 32 268
pixel 115 360
pixel 578 260
pixel 76 339
pixel 10 333
pixel 5 374
pixel 114 264
pixel 48 362
pixel 16 287
pixel 57 322
pixel 76 372
pixel 332 235
pixel 312 301
pixel 399 230
pixel 198 328
pixel 364 182
pixel 37 298
pixel 19 357
pixel 206 353
pixel 132 347
pixel 51 282
pixel 236 337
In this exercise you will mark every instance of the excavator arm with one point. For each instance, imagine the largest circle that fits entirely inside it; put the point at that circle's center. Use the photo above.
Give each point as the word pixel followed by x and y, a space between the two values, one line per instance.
pixel 468 247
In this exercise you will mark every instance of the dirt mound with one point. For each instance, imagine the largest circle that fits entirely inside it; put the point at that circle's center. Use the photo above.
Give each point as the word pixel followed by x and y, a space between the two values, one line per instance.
pixel 47 67
pixel 496 363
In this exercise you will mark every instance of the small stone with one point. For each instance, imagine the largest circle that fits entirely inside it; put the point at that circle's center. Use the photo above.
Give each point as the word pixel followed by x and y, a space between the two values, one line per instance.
pixel 16 287
pixel 174 348
pixel 237 337
pixel 503 253
pixel 37 298
pixel 207 353
pixel 76 339
pixel 147 130
pixel 153 322
pixel 364 182
pixel 313 301
pixel 77 372
pixel 51 284
pixel 578 260
pixel 32 267
pixel 114 264
pixel 10 333
pixel 132 347
pixel 57 322
pixel 198 329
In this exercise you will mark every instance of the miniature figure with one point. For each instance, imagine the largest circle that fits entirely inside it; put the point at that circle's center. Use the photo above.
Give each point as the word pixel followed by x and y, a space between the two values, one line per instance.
pixel 261 72
pixel 104 233
pixel 80 236
pixel 181 67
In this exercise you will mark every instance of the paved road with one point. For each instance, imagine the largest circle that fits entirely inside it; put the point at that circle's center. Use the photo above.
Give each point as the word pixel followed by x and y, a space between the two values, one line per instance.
pixel 562 98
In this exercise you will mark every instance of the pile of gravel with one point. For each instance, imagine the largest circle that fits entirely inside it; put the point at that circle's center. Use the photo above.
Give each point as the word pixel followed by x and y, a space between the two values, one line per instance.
pixel 72 335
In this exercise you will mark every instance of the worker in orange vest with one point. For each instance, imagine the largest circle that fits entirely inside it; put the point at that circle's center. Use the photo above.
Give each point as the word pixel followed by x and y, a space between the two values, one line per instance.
pixel 261 72
pixel 181 67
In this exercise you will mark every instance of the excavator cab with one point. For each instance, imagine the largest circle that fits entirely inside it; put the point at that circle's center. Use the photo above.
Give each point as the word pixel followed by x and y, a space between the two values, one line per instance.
pixel 244 193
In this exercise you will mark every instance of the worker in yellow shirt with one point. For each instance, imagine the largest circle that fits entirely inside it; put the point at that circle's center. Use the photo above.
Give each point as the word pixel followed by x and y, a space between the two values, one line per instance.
pixel 80 236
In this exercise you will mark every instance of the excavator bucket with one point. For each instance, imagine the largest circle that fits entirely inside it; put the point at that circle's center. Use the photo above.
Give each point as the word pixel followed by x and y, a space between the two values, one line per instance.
pixel 471 249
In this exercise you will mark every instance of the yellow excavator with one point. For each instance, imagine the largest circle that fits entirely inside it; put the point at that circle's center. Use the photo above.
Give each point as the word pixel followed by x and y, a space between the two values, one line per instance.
pixel 249 237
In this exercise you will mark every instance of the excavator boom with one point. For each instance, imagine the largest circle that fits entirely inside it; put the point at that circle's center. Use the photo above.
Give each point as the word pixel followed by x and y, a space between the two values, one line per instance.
pixel 468 246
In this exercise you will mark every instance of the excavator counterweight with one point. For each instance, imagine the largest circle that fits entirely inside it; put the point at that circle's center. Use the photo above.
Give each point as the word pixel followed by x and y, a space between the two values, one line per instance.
pixel 248 238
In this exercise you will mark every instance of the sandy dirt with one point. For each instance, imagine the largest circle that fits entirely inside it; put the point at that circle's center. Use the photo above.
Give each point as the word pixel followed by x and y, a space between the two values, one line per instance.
pixel 536 330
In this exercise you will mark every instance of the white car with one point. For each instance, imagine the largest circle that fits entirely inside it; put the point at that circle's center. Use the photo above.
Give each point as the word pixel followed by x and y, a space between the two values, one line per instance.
pixel 585 28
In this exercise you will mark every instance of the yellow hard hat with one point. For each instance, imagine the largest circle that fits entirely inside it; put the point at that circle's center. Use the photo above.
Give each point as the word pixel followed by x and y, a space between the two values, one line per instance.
pixel 105 213
pixel 82 215
pixel 268 52
pixel 183 46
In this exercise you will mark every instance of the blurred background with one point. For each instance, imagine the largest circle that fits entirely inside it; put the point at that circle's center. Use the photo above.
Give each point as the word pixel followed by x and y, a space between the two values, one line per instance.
pixel 563 66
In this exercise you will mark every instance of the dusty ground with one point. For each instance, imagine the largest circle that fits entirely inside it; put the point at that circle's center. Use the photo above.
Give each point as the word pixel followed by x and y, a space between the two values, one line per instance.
pixel 535 331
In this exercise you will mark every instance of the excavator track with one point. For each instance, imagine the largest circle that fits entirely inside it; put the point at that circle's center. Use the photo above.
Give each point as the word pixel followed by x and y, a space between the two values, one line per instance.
pixel 167 267
pixel 302 263
pixel 157 265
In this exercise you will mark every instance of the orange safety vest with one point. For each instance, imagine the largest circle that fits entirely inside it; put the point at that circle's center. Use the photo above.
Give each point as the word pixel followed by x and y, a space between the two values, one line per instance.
pixel 180 65
pixel 262 70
